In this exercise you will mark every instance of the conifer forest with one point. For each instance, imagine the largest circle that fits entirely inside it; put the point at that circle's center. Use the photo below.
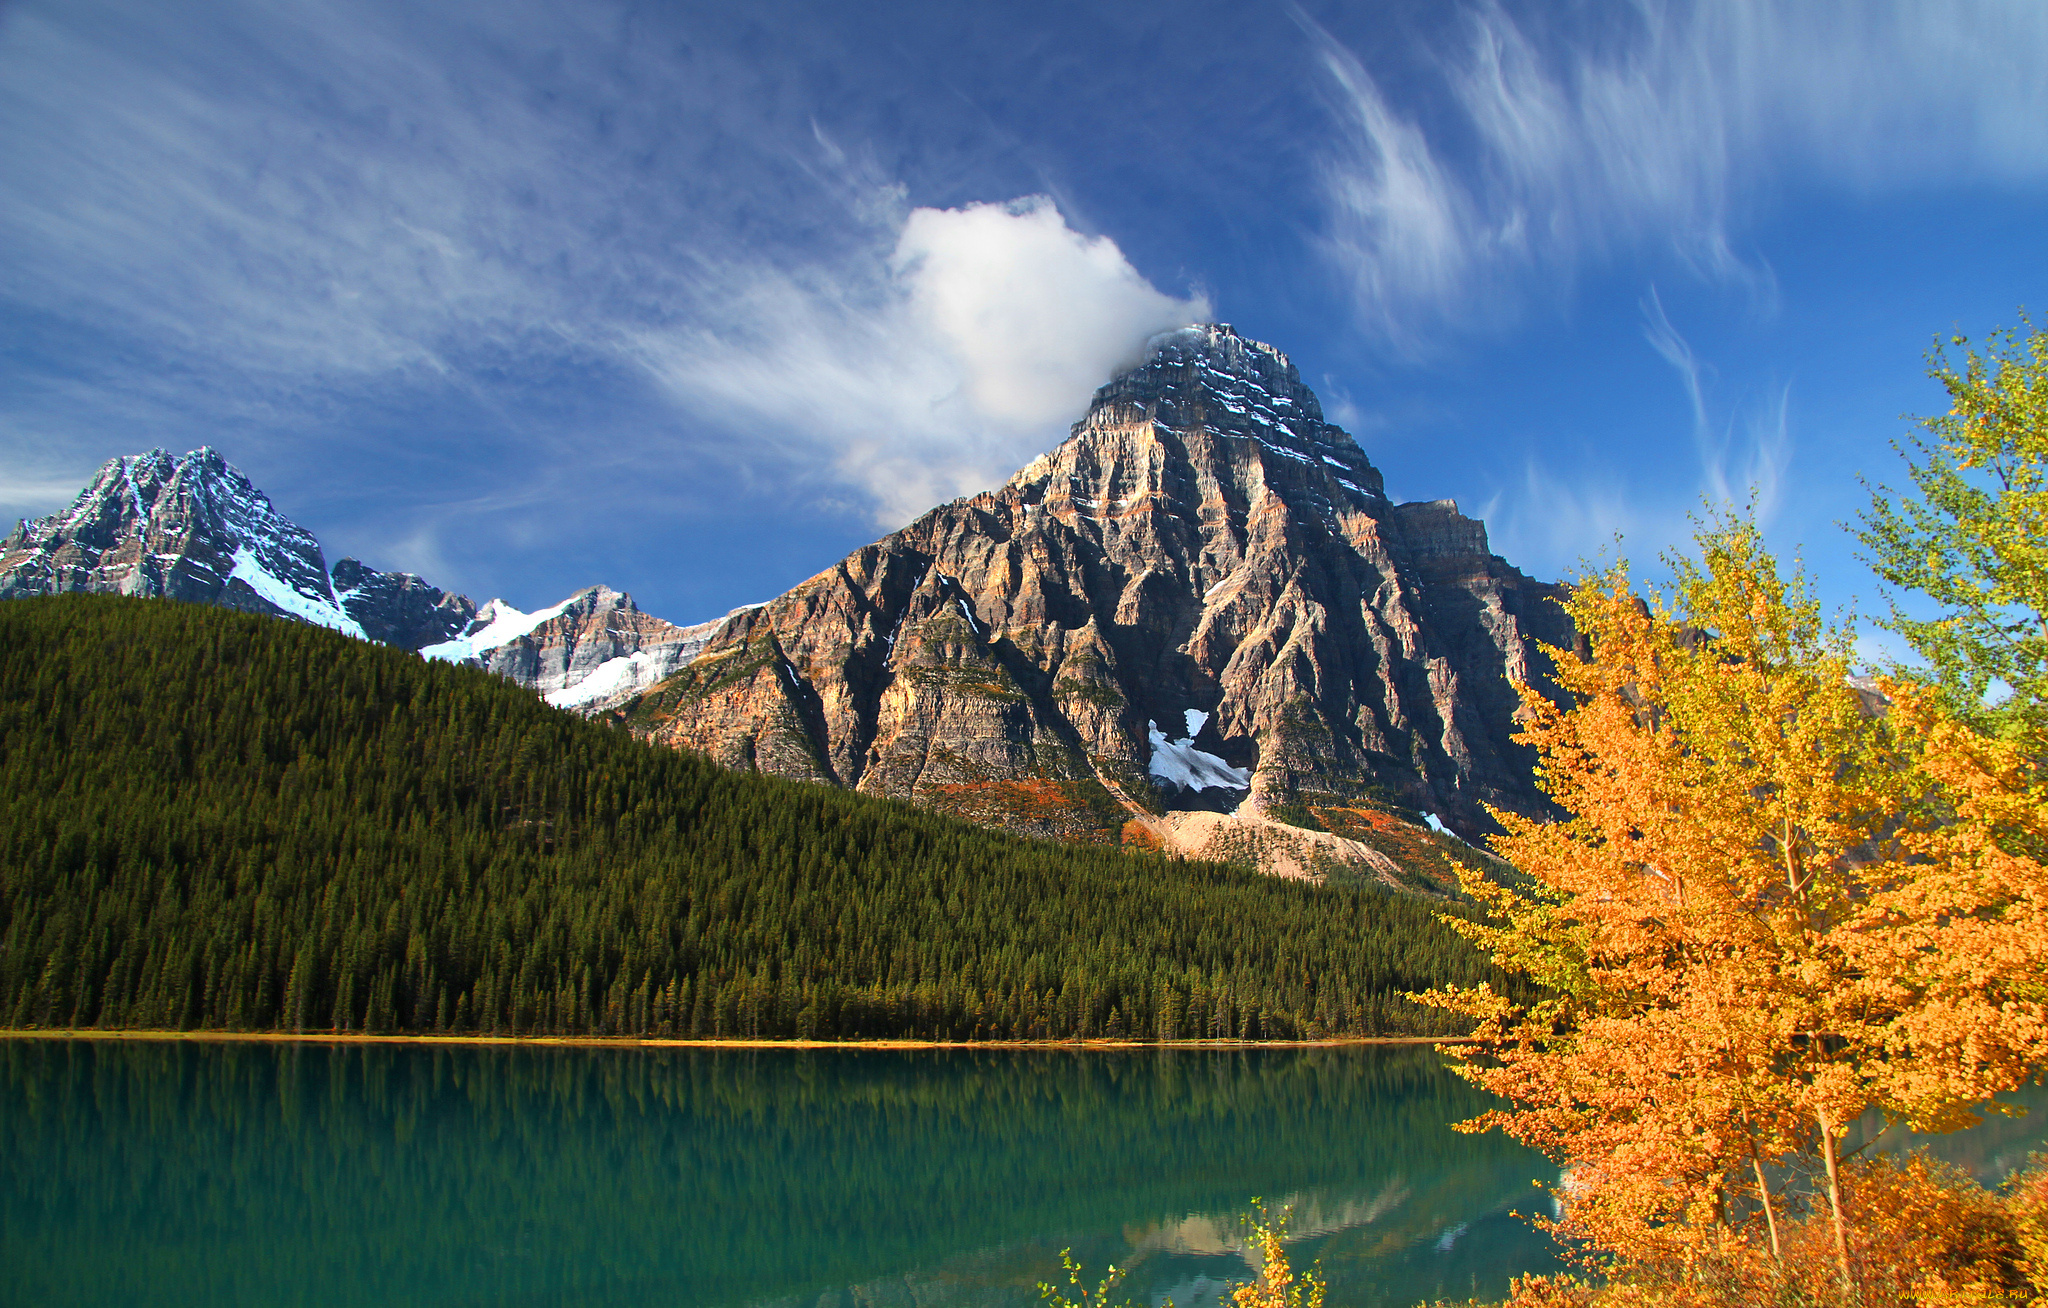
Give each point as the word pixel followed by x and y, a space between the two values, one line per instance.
pixel 211 820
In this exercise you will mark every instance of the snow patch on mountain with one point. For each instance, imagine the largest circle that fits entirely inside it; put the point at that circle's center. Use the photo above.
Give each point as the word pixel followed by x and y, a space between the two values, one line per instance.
pixel 1179 762
pixel 497 623
pixel 624 675
pixel 321 613
pixel 612 678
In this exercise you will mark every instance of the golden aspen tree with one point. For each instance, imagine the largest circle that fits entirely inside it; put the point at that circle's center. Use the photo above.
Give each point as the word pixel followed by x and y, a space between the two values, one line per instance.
pixel 1768 907
pixel 1278 1285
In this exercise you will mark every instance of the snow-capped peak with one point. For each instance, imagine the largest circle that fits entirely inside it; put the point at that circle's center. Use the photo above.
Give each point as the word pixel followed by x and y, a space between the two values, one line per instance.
pixel 193 527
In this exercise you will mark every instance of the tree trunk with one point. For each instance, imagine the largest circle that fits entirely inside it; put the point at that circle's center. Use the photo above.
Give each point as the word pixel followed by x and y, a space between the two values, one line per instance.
pixel 1827 1153
pixel 1791 862
pixel 1763 1191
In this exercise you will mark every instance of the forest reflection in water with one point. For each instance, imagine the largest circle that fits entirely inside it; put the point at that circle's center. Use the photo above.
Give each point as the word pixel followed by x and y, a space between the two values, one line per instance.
pixel 185 1173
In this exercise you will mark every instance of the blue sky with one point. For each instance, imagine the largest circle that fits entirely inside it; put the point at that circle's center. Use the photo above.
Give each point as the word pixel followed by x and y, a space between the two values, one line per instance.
pixel 691 300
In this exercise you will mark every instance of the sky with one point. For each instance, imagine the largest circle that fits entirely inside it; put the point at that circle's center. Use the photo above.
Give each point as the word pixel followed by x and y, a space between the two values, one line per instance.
pixel 692 299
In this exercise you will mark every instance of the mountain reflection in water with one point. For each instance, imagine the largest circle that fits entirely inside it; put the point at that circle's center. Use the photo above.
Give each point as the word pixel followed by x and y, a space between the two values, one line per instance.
pixel 186 1174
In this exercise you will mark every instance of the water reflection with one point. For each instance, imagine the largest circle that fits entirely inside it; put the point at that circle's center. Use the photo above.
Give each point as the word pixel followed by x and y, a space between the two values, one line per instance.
pixel 231 1174
pixel 1992 1150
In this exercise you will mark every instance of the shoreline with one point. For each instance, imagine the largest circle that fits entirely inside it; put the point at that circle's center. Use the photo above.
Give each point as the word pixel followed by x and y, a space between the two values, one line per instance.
pixel 636 1042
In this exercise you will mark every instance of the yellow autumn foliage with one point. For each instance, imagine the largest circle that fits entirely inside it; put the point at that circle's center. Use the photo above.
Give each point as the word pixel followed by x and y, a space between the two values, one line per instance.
pixel 1775 901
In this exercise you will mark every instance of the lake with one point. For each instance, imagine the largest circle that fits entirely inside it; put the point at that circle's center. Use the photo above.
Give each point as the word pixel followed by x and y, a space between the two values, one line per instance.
pixel 180 1173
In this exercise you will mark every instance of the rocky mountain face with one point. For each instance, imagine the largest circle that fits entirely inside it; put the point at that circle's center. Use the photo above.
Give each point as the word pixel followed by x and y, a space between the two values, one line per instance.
pixel 193 528
pixel 588 653
pixel 1197 623
pixel 398 608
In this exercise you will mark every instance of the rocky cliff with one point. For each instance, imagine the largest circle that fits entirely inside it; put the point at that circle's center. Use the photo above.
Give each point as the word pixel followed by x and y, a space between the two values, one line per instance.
pixel 1198 621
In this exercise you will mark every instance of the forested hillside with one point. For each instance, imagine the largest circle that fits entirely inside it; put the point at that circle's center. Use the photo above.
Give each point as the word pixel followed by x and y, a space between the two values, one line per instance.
pixel 212 819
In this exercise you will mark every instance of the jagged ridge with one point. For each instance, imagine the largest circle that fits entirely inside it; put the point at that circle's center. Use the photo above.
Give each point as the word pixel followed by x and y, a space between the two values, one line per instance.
pixel 195 528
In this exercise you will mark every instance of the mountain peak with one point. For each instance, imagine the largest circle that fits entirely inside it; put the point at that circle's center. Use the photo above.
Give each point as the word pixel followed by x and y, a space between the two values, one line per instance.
pixel 1203 548
pixel 194 527
pixel 1208 380
pixel 1218 347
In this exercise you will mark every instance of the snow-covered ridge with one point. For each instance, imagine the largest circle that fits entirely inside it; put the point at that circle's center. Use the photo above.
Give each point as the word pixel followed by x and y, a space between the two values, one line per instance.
pixel 625 675
pixel 601 652
pixel 497 624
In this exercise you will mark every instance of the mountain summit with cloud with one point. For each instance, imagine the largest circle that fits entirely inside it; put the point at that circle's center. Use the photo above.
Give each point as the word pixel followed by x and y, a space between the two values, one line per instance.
pixel 1198 623
pixel 929 369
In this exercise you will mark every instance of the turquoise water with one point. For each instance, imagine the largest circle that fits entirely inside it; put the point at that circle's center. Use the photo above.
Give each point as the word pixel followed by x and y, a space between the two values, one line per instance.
pixel 188 1174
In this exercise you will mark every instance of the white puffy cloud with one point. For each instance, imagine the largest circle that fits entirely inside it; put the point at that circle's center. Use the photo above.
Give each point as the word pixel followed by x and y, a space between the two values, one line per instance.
pixel 927 371
pixel 1033 313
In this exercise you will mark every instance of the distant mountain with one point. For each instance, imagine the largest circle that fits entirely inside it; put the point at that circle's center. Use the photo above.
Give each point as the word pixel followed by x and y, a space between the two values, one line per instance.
pixel 588 652
pixel 1197 623
pixel 194 528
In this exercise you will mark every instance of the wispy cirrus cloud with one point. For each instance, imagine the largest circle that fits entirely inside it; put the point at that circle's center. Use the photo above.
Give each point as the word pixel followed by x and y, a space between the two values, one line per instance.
pixel 276 211
pixel 1742 460
pixel 1665 124
pixel 26 491
pixel 1741 457
pixel 1566 525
